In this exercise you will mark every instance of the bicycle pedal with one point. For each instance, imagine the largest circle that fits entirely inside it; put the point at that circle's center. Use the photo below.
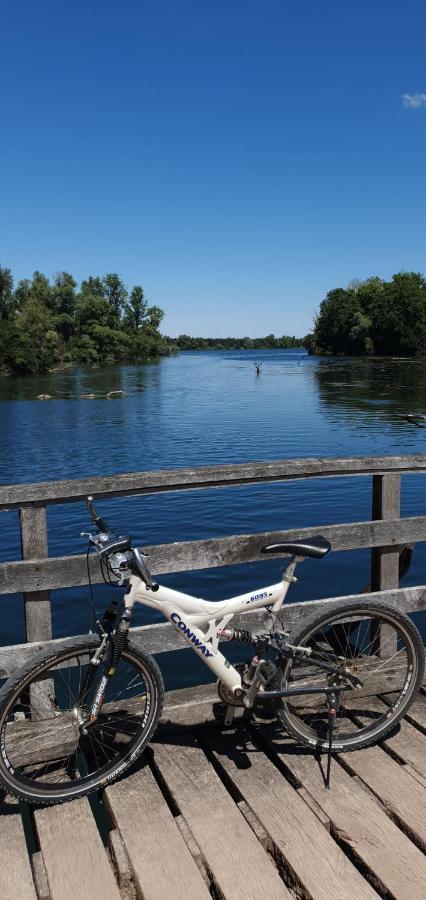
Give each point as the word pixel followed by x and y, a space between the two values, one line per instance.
pixel 229 715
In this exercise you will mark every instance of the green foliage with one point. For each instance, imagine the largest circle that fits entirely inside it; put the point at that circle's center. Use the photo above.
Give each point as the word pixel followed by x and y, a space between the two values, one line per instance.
pixel 115 293
pixel 136 309
pixel 7 300
pixel 185 342
pixel 35 342
pixel 45 325
pixel 373 317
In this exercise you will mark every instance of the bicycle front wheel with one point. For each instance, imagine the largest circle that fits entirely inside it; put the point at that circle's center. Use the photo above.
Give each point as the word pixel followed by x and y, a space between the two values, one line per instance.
pixel 378 645
pixel 48 751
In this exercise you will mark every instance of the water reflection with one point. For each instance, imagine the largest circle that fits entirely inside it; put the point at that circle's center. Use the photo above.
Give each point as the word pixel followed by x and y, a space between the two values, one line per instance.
pixel 81 383
pixel 384 391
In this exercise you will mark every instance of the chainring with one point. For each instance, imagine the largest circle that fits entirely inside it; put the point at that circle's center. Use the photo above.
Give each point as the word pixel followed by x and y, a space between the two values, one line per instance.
pixel 226 694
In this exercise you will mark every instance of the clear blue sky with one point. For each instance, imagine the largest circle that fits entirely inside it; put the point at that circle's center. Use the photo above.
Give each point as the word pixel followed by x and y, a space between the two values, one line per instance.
pixel 237 158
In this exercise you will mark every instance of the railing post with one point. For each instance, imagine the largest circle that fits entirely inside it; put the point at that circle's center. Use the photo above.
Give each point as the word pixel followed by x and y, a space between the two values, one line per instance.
pixel 385 560
pixel 38 612
pixel 38 616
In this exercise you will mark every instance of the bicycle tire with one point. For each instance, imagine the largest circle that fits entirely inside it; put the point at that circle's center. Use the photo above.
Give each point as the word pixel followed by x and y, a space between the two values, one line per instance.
pixel 15 782
pixel 357 740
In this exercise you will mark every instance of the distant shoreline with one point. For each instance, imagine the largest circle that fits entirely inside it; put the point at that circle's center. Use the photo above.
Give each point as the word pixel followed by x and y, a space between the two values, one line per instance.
pixel 269 342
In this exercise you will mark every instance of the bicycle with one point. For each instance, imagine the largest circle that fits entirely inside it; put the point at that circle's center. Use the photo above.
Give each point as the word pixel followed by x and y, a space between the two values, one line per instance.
pixel 75 718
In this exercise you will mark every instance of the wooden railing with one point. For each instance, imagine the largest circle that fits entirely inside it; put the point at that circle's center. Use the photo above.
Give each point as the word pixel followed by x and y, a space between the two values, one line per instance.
pixel 37 573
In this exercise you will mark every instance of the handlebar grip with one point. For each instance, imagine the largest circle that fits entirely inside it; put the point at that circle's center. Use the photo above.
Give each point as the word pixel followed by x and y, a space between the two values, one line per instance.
pixel 101 524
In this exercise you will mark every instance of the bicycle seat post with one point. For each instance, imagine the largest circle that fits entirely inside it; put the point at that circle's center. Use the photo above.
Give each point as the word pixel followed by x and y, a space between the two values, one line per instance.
pixel 287 574
pixel 287 577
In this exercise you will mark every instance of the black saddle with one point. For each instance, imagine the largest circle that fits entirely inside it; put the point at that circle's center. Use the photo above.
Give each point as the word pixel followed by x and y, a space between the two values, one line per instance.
pixel 316 547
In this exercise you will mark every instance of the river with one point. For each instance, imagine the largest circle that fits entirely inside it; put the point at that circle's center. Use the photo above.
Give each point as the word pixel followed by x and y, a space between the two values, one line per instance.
pixel 211 408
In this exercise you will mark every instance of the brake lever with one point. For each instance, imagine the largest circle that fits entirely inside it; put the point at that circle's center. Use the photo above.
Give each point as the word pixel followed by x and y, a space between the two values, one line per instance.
pixel 94 539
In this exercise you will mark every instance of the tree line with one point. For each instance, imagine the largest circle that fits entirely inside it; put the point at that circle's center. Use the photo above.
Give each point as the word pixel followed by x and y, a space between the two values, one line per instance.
pixel 270 342
pixel 46 324
pixel 373 317
pixel 54 324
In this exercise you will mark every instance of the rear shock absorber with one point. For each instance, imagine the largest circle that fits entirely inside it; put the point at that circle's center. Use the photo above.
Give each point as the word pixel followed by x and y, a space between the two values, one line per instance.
pixel 237 634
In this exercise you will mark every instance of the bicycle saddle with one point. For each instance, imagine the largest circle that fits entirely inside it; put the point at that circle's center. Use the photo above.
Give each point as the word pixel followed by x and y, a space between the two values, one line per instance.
pixel 316 547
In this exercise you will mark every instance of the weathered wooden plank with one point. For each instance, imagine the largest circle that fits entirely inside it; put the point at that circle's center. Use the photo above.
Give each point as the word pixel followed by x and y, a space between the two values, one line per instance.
pixel 38 617
pixel 393 786
pixel 164 637
pixel 406 742
pixel 313 805
pixel 319 865
pixel 255 825
pixel 37 607
pixel 76 862
pixel 203 477
pixel 70 571
pixel 417 712
pixel 357 820
pixel 240 867
pixel 385 561
pixel 382 682
pixel 121 863
pixel 189 706
pixel 416 775
pixel 16 880
pixel 40 876
pixel 193 847
pixel 30 741
pixel 385 505
pixel 161 862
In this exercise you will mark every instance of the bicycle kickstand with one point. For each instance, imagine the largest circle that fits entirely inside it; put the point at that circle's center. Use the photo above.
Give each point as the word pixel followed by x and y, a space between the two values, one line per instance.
pixel 333 701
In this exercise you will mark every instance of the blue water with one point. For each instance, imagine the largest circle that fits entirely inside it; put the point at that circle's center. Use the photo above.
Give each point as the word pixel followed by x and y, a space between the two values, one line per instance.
pixel 211 408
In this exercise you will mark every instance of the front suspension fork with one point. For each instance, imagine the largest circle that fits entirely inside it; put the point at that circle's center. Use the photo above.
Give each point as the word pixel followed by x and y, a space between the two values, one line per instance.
pixel 114 645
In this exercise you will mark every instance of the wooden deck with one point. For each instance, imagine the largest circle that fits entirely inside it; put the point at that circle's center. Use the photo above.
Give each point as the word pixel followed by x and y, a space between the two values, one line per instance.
pixel 233 813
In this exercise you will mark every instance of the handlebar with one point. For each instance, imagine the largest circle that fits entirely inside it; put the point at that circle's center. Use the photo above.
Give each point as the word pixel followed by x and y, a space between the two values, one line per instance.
pixel 143 571
pixel 100 523
pixel 110 543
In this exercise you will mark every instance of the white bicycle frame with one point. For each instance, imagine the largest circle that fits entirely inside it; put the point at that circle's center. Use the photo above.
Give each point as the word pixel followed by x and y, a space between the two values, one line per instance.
pixel 190 615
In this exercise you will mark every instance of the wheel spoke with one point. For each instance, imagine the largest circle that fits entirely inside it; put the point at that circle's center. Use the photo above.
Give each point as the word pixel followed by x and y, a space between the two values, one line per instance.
pixel 60 747
pixel 345 638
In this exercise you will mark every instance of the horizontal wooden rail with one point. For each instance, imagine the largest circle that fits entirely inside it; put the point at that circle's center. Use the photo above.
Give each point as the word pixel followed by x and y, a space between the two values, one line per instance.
pixel 48 492
pixel 71 571
pixel 37 573
pixel 164 637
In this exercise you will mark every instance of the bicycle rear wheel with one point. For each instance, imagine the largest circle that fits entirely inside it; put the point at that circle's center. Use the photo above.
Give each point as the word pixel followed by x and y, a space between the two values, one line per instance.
pixel 381 647
pixel 47 754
